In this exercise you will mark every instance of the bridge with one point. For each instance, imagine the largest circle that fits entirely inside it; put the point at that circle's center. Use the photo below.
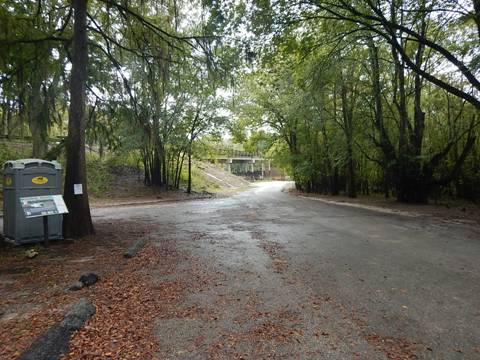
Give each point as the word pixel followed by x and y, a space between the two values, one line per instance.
pixel 242 163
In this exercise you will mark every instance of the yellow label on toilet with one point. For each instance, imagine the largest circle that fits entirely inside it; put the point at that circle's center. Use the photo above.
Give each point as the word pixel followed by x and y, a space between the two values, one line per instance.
pixel 39 180
pixel 8 181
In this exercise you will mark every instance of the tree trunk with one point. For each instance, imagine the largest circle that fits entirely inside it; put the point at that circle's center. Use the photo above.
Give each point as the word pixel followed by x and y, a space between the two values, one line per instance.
pixel 146 169
pixel 352 187
pixel 78 221
pixel 156 169
pixel 189 185
pixel 9 124
pixel 413 184
pixel 39 140
pixel 164 167
pixel 179 175
pixel 389 160
pixel 334 177
pixel 335 182
pixel 418 114
pixel 476 7
pixel 347 111
pixel 37 119
pixel 38 111
pixel 5 117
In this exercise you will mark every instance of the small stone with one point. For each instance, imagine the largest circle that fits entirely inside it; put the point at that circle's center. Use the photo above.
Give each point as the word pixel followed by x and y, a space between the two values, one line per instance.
pixel 133 250
pixel 89 279
pixel 31 253
pixel 77 285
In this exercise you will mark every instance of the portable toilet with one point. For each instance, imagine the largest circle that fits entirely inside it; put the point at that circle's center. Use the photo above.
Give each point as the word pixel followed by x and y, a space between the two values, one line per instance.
pixel 26 178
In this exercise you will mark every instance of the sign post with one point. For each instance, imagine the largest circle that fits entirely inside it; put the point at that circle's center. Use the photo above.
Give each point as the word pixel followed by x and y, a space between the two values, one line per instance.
pixel 45 230
pixel 43 206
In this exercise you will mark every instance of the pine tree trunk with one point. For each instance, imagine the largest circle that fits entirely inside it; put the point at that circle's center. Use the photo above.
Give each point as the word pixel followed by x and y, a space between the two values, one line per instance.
pixel 78 222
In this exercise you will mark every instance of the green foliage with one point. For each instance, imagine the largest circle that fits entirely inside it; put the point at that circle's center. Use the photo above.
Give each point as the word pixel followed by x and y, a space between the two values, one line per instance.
pixel 340 127
pixel 132 159
pixel 200 182
pixel 154 72
pixel 303 79
pixel 10 151
pixel 99 176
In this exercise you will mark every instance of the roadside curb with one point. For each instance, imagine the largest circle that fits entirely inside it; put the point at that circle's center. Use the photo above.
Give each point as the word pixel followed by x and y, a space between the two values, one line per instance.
pixel 394 211
pixel 54 343
pixel 151 202
pixel 361 206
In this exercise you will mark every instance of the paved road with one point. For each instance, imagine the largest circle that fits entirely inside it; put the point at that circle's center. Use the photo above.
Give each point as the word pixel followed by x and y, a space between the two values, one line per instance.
pixel 298 278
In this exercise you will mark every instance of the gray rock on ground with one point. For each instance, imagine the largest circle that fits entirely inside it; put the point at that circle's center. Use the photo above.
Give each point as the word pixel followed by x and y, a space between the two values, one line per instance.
pixel 77 285
pixel 88 279
pixel 54 343
pixel 135 248
pixel 78 314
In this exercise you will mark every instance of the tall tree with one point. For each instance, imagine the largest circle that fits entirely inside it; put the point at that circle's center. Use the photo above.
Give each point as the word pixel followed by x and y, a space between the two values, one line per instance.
pixel 78 221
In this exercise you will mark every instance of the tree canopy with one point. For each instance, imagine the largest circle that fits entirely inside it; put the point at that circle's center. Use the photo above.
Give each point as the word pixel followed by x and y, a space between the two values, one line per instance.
pixel 366 96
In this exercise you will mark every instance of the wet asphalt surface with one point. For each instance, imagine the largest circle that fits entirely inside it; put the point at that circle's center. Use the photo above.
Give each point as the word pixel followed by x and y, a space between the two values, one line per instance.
pixel 298 278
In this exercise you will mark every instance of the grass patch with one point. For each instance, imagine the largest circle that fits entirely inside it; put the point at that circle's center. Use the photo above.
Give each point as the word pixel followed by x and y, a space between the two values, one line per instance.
pixel 200 181
pixel 99 176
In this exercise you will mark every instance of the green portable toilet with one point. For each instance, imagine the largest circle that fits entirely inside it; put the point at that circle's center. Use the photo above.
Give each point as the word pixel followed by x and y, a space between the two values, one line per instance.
pixel 25 178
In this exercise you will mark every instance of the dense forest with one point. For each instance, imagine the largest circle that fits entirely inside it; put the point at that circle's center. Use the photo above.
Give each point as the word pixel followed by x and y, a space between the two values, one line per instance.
pixel 364 96
pixel 368 96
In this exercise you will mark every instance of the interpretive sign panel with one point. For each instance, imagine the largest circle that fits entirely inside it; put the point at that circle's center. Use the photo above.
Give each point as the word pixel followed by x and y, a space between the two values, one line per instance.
pixel 36 206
